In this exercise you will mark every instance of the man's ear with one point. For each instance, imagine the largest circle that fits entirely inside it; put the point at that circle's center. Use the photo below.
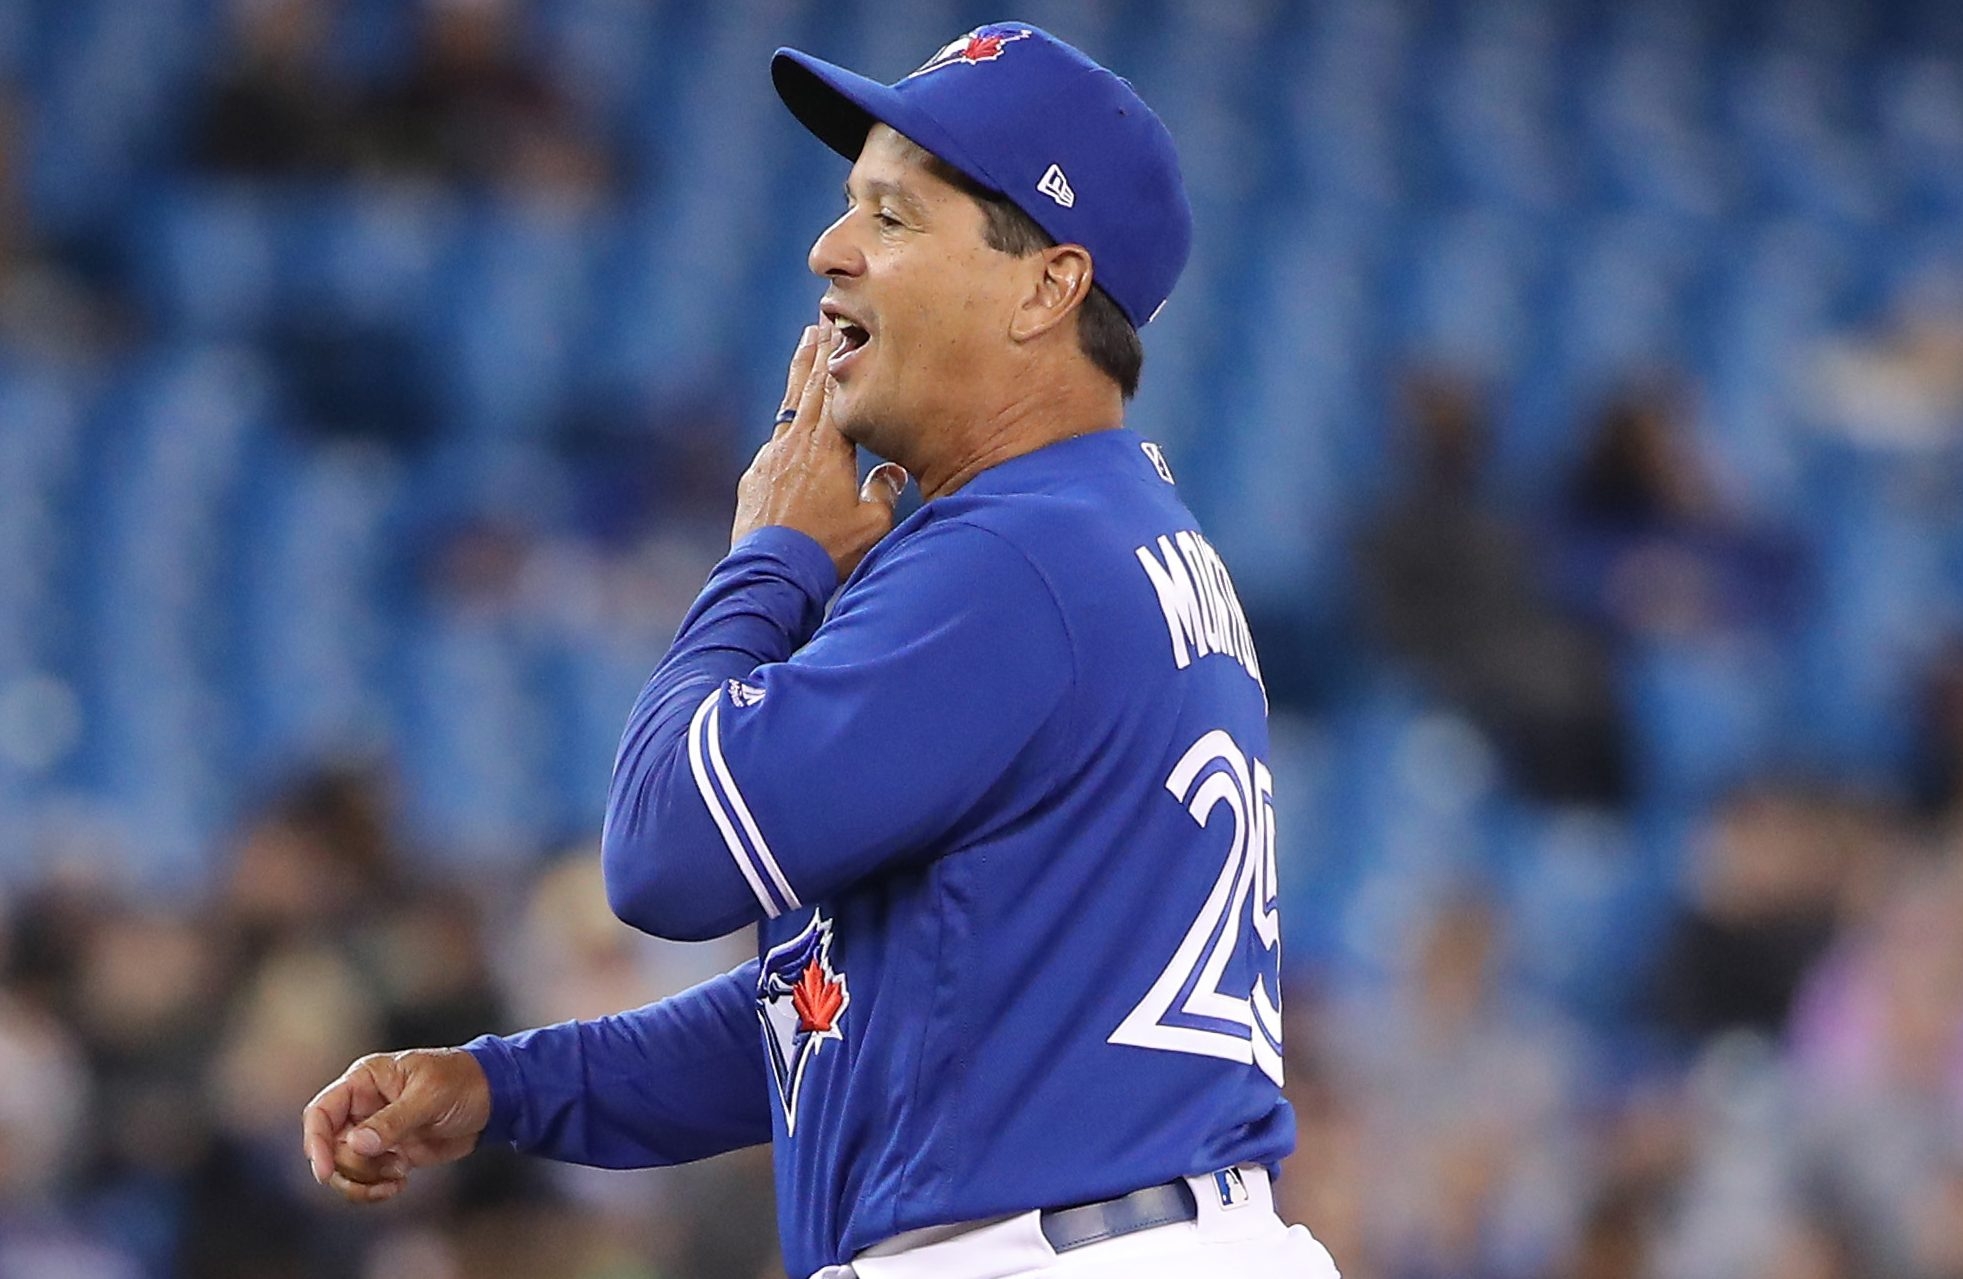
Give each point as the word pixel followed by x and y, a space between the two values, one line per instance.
pixel 1060 285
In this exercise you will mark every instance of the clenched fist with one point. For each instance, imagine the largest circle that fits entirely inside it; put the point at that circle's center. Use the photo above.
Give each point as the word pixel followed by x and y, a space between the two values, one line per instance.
pixel 391 1113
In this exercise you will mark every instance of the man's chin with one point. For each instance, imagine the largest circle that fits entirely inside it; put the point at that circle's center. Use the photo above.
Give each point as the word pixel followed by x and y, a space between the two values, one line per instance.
pixel 878 432
pixel 850 421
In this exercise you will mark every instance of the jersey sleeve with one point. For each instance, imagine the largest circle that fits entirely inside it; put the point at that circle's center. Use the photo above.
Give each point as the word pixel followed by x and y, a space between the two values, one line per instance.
pixel 935 675
pixel 674 1081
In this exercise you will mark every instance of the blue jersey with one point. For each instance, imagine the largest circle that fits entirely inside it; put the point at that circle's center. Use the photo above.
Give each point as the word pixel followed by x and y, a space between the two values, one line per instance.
pixel 1005 820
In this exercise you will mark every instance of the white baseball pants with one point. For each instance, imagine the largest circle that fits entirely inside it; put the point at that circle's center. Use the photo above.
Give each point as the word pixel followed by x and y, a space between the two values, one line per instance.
pixel 1246 1241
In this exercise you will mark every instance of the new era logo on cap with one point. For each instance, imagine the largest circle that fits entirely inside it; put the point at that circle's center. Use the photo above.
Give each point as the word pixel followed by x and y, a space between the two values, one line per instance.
pixel 1057 187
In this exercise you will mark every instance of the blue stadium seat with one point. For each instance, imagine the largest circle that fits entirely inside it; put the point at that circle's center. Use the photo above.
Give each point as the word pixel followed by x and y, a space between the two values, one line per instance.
pixel 514 311
pixel 474 742
pixel 1705 712
pixel 313 631
pixel 207 256
pixel 1586 903
pixel 1552 196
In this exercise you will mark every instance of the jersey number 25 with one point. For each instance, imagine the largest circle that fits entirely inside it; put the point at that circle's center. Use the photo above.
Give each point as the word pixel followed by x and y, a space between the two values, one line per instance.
pixel 1186 1010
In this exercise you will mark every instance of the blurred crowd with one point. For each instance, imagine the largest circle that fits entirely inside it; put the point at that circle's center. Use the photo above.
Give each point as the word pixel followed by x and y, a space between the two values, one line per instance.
pixel 1747 1063
pixel 1786 1100
pixel 157 1057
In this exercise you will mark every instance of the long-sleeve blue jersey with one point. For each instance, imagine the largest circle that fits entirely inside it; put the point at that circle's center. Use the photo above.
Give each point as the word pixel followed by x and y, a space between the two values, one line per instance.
pixel 1005 819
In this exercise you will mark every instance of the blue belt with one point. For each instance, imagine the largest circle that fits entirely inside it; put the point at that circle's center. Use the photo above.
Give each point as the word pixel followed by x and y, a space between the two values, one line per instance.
pixel 1068 1228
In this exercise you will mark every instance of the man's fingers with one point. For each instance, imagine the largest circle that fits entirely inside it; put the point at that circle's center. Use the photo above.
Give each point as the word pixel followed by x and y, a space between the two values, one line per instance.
pixel 390 1167
pixel 332 1103
pixel 884 486
pixel 317 1140
pixel 359 1092
pixel 382 1130
pixel 811 400
pixel 364 1193
pixel 331 1110
pixel 800 370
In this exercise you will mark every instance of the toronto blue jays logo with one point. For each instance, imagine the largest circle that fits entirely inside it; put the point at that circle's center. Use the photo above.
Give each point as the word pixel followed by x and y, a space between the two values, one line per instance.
pixel 800 1000
pixel 983 44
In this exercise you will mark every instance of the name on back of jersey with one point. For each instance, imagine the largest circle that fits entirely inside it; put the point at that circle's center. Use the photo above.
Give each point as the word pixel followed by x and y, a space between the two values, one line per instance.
pixel 1202 611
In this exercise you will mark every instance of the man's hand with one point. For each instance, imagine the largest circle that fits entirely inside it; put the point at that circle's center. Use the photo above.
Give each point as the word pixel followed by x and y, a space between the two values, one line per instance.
pixel 391 1113
pixel 806 476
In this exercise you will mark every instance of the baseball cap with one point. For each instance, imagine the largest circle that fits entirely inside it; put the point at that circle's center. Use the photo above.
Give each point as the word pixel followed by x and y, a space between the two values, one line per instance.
pixel 1026 116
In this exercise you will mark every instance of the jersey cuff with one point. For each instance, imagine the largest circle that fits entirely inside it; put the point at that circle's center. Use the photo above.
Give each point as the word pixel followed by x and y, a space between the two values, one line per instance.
pixel 507 1088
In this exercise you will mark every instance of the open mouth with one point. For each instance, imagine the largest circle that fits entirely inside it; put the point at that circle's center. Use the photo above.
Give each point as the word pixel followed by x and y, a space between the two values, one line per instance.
pixel 853 338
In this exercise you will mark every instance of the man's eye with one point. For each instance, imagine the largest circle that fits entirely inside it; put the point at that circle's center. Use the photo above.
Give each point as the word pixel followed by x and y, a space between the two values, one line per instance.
pixel 886 219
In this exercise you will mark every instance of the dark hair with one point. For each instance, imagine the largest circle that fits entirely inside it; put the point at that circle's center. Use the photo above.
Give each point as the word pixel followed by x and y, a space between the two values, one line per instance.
pixel 1104 335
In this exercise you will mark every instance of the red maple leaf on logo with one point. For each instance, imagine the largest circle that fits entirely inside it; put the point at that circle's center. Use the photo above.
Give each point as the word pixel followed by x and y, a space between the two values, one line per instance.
pixel 982 48
pixel 817 999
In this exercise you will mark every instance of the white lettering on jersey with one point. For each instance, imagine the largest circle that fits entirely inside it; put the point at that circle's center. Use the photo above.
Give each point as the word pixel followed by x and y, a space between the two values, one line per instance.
pixel 1186 1011
pixel 1203 612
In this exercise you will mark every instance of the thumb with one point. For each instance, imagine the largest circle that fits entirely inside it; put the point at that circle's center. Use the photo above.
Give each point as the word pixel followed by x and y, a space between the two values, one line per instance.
pixel 884 486
pixel 383 1130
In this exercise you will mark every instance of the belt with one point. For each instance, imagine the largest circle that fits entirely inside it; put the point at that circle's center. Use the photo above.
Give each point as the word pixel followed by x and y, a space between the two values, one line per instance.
pixel 1068 1228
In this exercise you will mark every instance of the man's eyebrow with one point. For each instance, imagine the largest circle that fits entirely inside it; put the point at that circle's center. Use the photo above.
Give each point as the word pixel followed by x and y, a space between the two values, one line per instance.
pixel 876 187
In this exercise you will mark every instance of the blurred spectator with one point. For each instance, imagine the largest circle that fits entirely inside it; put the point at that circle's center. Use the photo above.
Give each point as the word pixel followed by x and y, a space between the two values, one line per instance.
pixel 44 1104
pixel 1899 387
pixel 473 111
pixel 1878 1042
pixel 1646 544
pixel 1641 1145
pixel 319 859
pixel 1332 1190
pixel 1938 779
pixel 573 959
pixel 1765 889
pixel 302 1015
pixel 1451 584
pixel 46 307
pixel 1612 1242
pixel 272 110
pixel 1465 1097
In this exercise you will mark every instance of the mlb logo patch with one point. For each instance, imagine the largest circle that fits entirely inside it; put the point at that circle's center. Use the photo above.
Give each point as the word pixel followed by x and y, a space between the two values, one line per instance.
pixel 1232 1187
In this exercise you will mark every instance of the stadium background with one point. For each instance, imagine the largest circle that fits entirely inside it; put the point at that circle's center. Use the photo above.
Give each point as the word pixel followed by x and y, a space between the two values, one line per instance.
pixel 1575 388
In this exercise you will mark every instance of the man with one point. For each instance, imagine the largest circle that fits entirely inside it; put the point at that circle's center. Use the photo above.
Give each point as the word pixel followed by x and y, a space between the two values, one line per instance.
pixel 1002 817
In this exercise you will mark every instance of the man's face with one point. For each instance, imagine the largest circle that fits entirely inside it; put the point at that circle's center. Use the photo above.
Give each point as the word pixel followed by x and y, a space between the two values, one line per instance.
pixel 925 304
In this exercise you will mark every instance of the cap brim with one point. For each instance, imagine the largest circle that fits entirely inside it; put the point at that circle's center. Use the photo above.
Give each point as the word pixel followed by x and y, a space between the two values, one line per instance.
pixel 840 107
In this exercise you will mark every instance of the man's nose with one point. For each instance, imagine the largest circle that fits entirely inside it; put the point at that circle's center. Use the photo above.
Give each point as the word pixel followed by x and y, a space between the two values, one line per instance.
pixel 833 252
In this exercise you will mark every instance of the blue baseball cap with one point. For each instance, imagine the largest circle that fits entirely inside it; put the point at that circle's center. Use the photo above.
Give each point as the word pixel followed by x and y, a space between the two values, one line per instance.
pixel 1022 114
